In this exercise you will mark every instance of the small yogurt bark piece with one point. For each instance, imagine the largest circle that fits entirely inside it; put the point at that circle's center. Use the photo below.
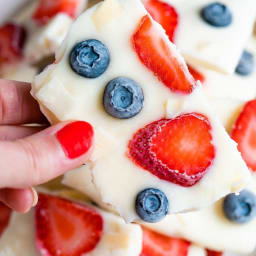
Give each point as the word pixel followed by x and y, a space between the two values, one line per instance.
pixel 22 72
pixel 224 235
pixel 46 39
pixel 47 23
pixel 205 31
pixel 91 232
pixel 22 232
pixel 229 93
pixel 155 137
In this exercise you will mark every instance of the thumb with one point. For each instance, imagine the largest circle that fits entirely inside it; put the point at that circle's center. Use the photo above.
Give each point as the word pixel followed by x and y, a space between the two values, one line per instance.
pixel 45 155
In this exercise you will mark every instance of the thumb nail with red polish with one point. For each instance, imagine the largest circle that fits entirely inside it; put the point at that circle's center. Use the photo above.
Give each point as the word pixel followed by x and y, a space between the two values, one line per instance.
pixel 76 138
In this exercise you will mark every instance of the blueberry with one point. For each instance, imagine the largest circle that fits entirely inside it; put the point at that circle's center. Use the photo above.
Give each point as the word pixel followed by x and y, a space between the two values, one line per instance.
pixel 123 98
pixel 151 205
pixel 89 58
pixel 217 15
pixel 246 64
pixel 240 208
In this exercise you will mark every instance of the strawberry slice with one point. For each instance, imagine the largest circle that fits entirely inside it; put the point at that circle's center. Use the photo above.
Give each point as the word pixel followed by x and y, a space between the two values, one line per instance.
pixel 155 244
pixel 178 150
pixel 161 57
pixel 47 9
pixel 196 74
pixel 168 18
pixel 5 214
pixel 12 39
pixel 214 253
pixel 164 14
pixel 64 228
pixel 244 133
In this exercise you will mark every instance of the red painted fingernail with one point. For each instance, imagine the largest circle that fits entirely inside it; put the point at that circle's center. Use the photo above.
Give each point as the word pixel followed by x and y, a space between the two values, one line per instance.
pixel 75 138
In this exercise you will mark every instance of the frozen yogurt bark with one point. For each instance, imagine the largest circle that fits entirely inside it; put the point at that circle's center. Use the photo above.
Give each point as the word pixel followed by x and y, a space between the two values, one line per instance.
pixel 226 234
pixel 209 34
pixel 22 72
pixel 229 93
pixel 155 137
pixel 106 234
pixel 59 226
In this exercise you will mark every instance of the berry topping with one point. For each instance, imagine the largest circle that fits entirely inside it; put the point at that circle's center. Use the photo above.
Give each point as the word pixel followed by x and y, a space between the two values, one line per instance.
pixel 66 228
pixel 244 133
pixel 196 74
pixel 155 244
pixel 240 208
pixel 123 98
pixel 12 39
pixel 246 64
pixel 213 253
pixel 217 15
pixel 178 150
pixel 164 14
pixel 89 58
pixel 5 214
pixel 160 56
pixel 151 205
pixel 47 9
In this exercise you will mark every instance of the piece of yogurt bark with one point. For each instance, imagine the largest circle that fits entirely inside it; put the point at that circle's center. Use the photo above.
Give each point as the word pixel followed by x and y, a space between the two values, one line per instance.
pixel 61 226
pixel 138 152
pixel 212 37
pixel 47 23
pixel 107 234
pixel 229 93
pixel 224 235
pixel 22 72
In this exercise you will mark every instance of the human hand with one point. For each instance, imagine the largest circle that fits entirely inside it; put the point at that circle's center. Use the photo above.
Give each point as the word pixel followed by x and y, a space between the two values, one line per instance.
pixel 30 156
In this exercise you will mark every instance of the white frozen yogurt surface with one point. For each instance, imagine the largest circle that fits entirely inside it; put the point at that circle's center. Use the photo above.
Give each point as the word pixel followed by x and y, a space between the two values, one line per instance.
pixel 22 72
pixel 118 238
pixel 228 93
pixel 232 86
pixel 46 39
pixel 19 237
pixel 195 250
pixel 215 48
pixel 117 179
pixel 227 110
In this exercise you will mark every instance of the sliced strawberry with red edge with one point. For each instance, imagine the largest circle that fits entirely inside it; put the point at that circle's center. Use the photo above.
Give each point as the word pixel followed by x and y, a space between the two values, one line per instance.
pixel 164 14
pixel 196 74
pixel 66 228
pixel 5 214
pixel 161 57
pixel 47 9
pixel 213 253
pixel 12 39
pixel 178 150
pixel 244 133
pixel 155 244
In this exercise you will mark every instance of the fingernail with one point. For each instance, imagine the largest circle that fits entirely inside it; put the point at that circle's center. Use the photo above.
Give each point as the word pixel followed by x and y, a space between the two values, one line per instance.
pixel 76 138
pixel 35 197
